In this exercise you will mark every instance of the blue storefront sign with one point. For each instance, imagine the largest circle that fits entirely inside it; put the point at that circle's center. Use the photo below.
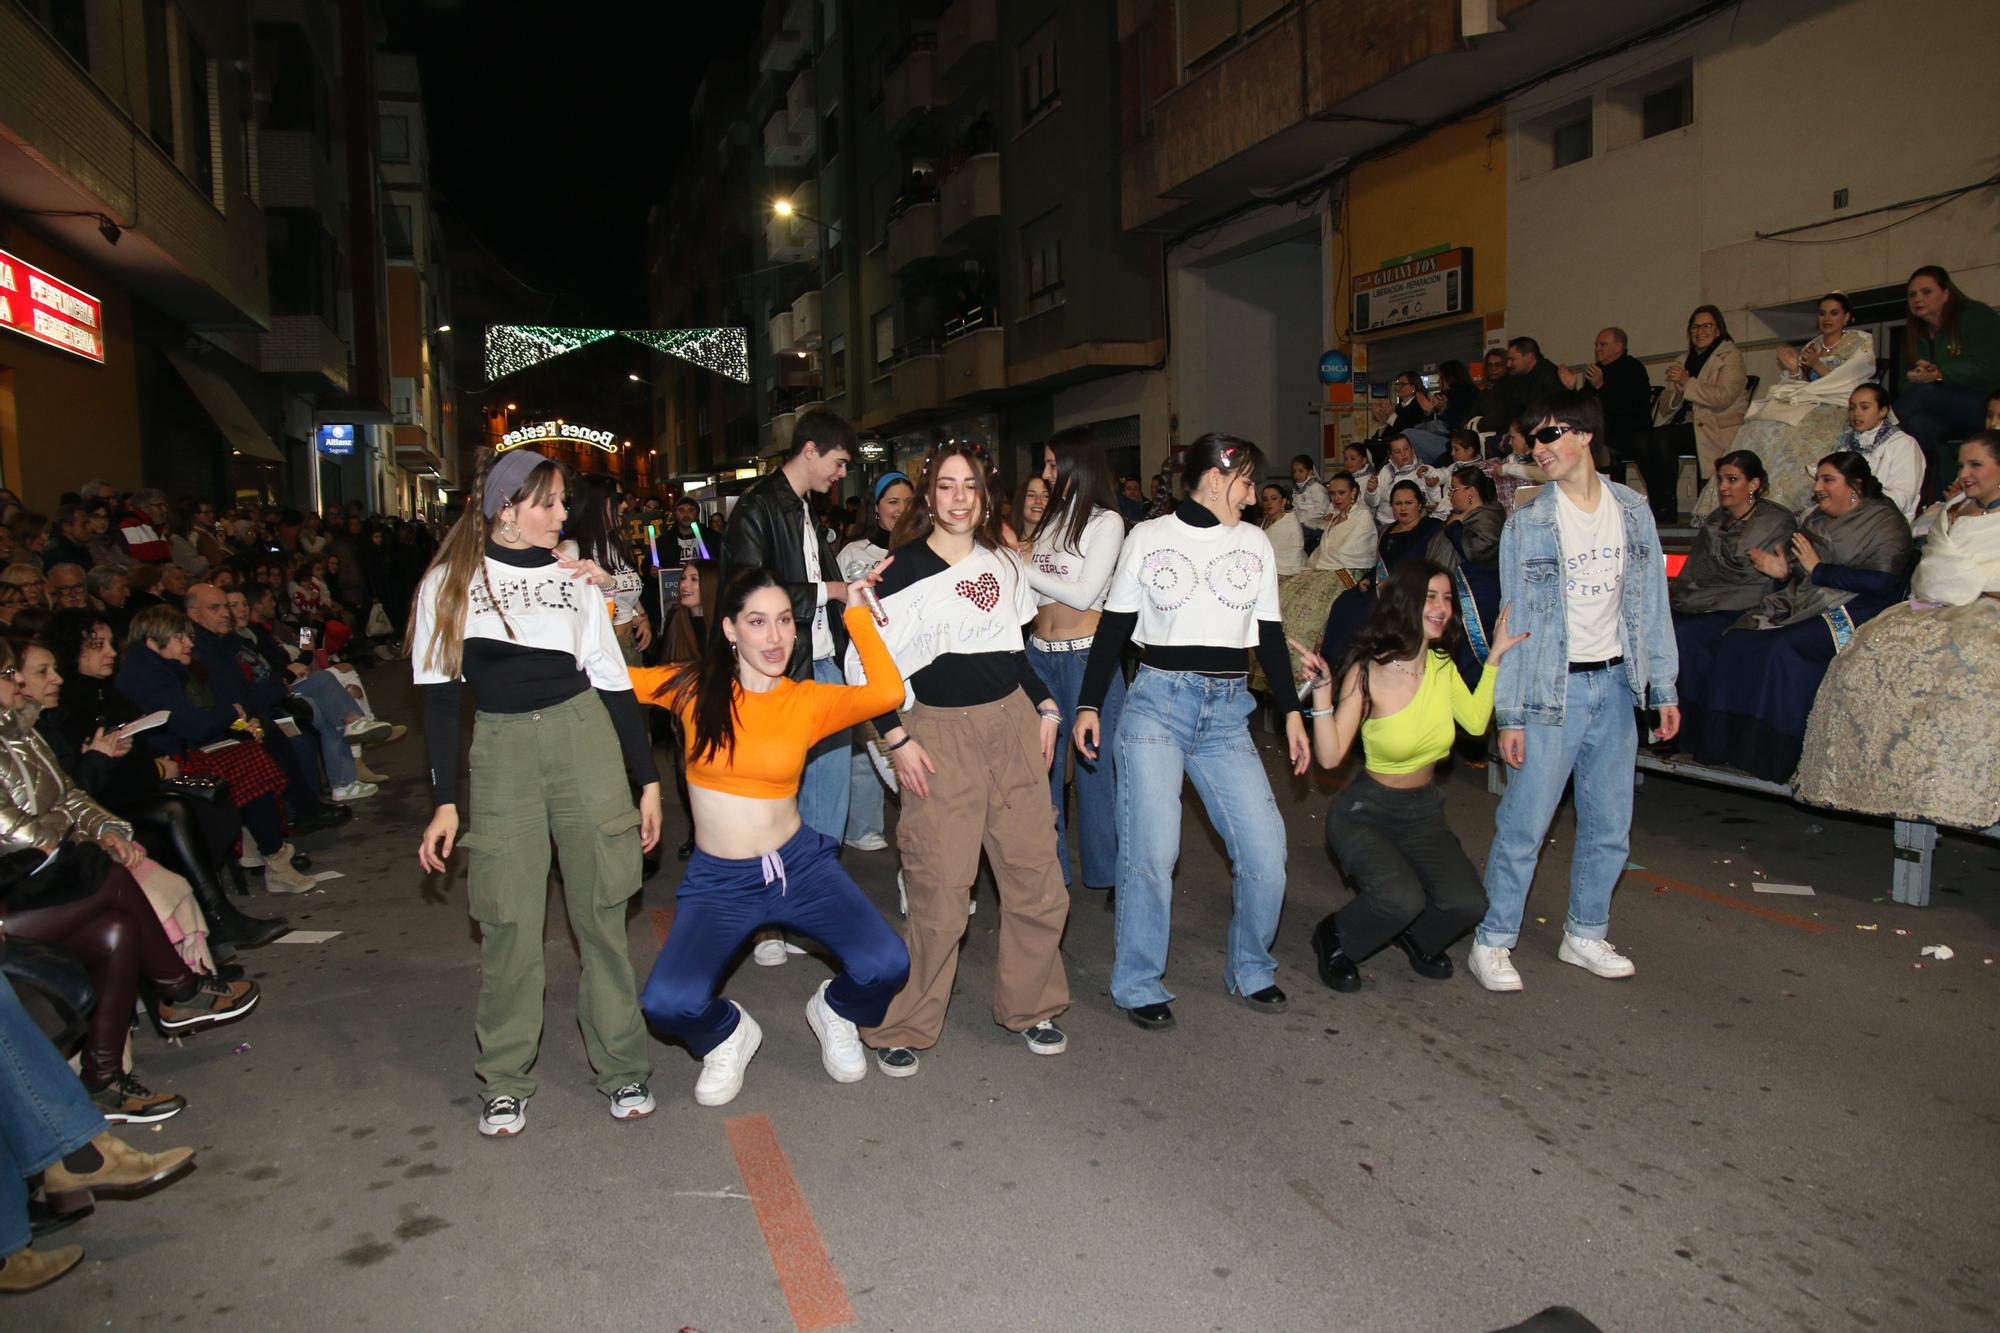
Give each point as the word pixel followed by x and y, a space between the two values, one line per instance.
pixel 1335 368
pixel 336 441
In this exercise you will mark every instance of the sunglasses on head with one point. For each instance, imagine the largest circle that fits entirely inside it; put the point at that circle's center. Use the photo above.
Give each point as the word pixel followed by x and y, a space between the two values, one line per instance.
pixel 1550 434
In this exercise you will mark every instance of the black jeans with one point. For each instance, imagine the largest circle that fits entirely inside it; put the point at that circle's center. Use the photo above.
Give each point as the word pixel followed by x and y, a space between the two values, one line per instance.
pixel 1405 867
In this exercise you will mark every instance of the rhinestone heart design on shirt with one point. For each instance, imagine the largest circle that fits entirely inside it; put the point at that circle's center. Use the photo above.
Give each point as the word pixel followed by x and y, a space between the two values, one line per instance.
pixel 983 592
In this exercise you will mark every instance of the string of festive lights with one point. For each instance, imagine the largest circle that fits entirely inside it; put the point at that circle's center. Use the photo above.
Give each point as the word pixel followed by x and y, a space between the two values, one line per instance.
pixel 515 347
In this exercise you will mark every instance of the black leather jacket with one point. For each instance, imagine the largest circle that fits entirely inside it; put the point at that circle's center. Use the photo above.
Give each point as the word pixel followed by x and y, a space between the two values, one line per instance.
pixel 767 530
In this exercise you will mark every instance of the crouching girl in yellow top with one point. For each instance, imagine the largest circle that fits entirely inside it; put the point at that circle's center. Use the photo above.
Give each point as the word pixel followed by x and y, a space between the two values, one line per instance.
pixel 1412 882
pixel 756 864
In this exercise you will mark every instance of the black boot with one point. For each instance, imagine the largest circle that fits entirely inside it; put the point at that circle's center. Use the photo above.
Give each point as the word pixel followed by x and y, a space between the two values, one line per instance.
pixel 1336 969
pixel 227 924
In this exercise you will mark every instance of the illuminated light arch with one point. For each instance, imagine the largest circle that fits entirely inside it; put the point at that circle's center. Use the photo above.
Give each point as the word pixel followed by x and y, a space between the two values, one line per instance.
pixel 544 432
pixel 515 347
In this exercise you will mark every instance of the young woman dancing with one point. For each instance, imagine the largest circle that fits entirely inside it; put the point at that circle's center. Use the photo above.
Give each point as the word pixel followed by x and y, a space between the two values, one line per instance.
pixel 1198 587
pixel 1400 692
pixel 497 610
pixel 596 533
pixel 972 759
pixel 756 864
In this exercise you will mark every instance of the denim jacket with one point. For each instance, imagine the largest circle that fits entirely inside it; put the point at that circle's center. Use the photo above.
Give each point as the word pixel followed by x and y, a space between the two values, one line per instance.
pixel 1534 677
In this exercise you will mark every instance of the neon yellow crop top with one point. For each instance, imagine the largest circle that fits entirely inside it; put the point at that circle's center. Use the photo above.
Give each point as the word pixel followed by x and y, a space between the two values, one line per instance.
pixel 1421 732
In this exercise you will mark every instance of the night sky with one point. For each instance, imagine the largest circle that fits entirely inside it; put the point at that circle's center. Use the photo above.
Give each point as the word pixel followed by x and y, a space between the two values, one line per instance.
pixel 555 125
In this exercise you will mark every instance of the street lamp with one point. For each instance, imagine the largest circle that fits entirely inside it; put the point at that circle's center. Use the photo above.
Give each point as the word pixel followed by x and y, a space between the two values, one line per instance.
pixel 784 209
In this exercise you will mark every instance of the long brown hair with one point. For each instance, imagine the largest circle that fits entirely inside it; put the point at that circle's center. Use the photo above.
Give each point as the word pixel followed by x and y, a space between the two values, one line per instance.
pixel 1082 487
pixel 918 520
pixel 683 644
pixel 461 555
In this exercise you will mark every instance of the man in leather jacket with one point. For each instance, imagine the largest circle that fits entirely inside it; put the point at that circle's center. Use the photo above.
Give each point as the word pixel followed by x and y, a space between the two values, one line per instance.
pixel 772 528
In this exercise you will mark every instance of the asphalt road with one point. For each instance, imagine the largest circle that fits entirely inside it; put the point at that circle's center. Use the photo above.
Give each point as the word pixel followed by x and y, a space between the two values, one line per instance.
pixel 1783 1121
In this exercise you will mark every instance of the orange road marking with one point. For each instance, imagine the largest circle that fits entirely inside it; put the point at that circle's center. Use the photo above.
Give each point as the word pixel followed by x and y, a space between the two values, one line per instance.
pixel 1771 914
pixel 813 1289
pixel 663 921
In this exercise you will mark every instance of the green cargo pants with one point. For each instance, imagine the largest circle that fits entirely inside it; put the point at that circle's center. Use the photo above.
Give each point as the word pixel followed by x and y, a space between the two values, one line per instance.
pixel 557 772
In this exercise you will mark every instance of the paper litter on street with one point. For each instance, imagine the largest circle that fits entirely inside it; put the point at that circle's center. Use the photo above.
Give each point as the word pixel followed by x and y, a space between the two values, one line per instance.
pixel 322 875
pixel 1941 952
pixel 1797 890
pixel 306 937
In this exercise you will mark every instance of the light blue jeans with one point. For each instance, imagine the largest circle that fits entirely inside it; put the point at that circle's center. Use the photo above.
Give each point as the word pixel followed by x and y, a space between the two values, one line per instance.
pixel 45 1114
pixel 1096 779
pixel 824 787
pixel 1180 723
pixel 333 708
pixel 864 795
pixel 1597 742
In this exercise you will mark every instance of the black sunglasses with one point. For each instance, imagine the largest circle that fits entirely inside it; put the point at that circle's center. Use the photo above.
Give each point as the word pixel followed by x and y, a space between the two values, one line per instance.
pixel 1550 434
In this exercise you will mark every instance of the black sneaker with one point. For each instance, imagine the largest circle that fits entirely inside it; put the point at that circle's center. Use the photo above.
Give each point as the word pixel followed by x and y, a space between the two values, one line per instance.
pixel 127 1101
pixel 897 1061
pixel 1045 1038
pixel 1152 1017
pixel 503 1117
pixel 1270 1000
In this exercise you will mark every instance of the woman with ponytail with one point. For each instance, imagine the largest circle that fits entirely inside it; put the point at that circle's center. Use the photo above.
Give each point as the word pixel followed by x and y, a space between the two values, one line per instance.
pixel 499 611
pixel 748 726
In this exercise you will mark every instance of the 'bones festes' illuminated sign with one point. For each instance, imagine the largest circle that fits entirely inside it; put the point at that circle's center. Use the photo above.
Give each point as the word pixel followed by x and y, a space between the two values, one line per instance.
pixel 41 306
pixel 542 431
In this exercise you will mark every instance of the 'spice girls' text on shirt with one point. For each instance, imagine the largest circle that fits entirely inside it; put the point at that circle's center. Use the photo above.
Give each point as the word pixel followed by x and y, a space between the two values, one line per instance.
pixel 955 630
pixel 1077 575
pixel 774 729
pixel 534 636
pixel 1593 551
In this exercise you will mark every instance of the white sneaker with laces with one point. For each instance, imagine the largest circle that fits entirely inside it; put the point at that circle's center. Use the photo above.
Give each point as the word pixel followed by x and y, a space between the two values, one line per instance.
pixel 503 1117
pixel 1596 957
pixel 356 790
pixel 722 1069
pixel 840 1048
pixel 868 842
pixel 632 1102
pixel 769 953
pixel 1493 967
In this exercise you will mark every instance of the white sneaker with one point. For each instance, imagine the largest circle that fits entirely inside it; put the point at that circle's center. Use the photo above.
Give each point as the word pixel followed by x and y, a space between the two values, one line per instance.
pixel 365 729
pixel 868 842
pixel 722 1068
pixel 840 1047
pixel 503 1117
pixel 632 1102
pixel 279 877
pixel 1596 957
pixel 356 790
pixel 769 953
pixel 1493 968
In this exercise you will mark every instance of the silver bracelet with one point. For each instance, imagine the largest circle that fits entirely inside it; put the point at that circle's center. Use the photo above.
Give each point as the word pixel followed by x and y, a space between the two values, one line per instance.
pixel 1328 711
pixel 1052 717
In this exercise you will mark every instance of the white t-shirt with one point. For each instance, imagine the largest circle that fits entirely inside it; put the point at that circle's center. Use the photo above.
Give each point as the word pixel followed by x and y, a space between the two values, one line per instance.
pixel 1196 585
pixel 1078 579
pixel 858 557
pixel 975 606
pixel 546 607
pixel 822 641
pixel 1593 548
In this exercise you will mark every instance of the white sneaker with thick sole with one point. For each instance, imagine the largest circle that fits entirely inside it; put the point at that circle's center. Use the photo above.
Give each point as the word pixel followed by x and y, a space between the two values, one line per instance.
pixel 503 1117
pixel 1493 967
pixel 1596 957
pixel 773 953
pixel 868 842
pixel 632 1102
pixel 365 729
pixel 356 790
pixel 722 1069
pixel 840 1048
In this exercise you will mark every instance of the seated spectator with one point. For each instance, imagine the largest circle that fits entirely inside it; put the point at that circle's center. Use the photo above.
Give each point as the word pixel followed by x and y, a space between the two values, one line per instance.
pixel 1404 467
pixel 106 547
pixel 311 601
pixel 34 585
pixel 66 587
pixel 1456 396
pixel 1407 409
pixel 181 541
pixel 1413 535
pixel 1698 412
pixel 1800 419
pixel 81 713
pixel 1131 501
pixel 154 677
pixel 1281 525
pixel 1850 560
pixel 1951 363
pixel 68 545
pixel 143 526
pixel 31 538
pixel 1358 461
pixel 1529 380
pixel 1961 561
pixel 1719 582
pixel 6 544
pixel 1894 458
pixel 1619 382
pixel 1489 409
pixel 1308 499
pixel 1465 450
pixel 66 881
pixel 12 602
pixel 1346 556
pixel 1474 533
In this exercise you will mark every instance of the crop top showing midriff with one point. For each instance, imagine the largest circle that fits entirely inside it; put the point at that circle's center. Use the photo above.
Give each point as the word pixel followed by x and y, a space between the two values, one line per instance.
pixel 1421 732
pixel 775 728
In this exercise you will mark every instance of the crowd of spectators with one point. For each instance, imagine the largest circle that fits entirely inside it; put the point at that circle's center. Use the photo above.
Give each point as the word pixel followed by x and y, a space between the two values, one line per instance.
pixel 180 705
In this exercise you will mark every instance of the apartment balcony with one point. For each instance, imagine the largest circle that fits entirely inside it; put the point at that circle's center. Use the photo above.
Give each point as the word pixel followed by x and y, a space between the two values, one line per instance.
pixel 780 428
pixel 787 45
pixel 802 105
pixel 910 92
pixel 304 345
pixel 783 147
pixel 781 331
pixel 915 238
pixel 406 401
pixel 805 319
pixel 970 199
pixel 975 362
pixel 966 42
pixel 917 381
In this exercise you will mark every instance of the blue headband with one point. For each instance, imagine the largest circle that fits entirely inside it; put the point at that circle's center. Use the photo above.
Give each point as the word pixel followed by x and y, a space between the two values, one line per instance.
pixel 888 479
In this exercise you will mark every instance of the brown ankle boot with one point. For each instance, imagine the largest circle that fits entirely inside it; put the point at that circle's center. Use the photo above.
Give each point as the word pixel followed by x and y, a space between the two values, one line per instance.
pixel 25 1270
pixel 125 1170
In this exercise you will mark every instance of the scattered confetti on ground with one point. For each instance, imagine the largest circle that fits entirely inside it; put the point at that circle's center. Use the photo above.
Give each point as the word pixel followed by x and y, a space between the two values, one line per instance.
pixel 1870 926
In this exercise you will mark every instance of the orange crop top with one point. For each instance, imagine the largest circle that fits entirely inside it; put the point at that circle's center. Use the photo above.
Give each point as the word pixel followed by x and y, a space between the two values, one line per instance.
pixel 776 728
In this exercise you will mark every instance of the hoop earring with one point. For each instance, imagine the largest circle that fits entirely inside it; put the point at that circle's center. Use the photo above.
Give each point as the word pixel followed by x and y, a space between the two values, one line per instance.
pixel 510 531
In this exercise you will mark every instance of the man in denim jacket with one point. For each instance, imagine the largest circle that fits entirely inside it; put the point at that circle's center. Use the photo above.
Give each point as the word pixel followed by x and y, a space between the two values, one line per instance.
pixel 1582 568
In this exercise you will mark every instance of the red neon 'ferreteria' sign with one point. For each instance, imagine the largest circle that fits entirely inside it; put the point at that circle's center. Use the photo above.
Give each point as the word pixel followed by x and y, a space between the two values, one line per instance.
pixel 41 306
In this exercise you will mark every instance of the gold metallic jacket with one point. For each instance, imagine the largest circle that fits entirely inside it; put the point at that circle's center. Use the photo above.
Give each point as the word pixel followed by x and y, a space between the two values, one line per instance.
pixel 39 805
